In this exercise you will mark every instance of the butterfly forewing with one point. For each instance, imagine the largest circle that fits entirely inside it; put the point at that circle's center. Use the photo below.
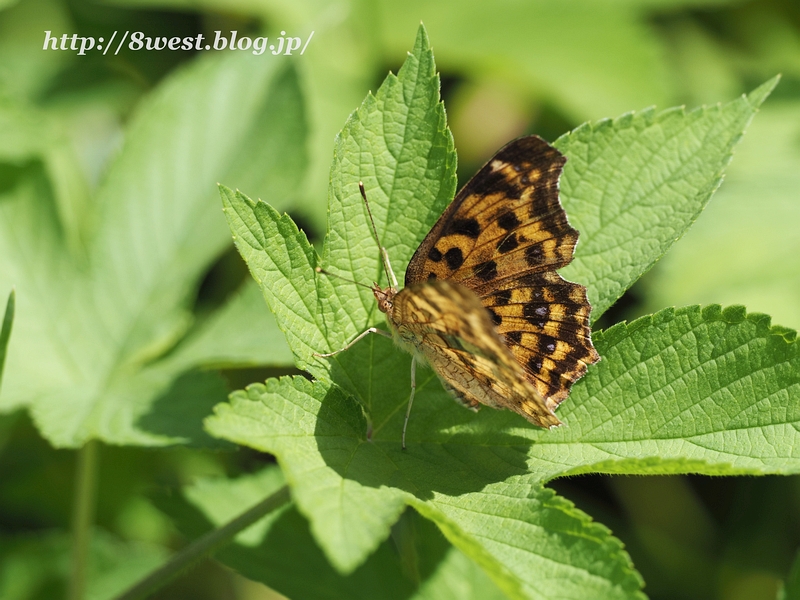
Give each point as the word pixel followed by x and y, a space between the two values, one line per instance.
pixel 502 238
pixel 505 222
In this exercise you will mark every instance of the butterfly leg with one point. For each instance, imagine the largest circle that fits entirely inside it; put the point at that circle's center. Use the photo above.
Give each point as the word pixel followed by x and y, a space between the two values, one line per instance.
pixel 411 398
pixel 360 336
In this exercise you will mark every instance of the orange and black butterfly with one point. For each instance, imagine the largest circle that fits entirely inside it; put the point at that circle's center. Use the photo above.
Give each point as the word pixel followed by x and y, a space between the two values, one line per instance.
pixel 482 302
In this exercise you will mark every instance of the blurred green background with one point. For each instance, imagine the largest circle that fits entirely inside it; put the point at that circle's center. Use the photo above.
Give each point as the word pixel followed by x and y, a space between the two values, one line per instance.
pixel 508 68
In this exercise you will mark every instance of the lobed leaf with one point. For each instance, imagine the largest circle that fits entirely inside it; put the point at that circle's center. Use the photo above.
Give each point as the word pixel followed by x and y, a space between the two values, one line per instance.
pixel 683 391
pixel 634 185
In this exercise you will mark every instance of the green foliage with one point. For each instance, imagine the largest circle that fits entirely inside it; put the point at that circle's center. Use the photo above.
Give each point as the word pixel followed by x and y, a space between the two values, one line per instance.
pixel 605 45
pixel 728 410
pixel 34 566
pixel 409 172
pixel 689 390
pixel 110 227
pixel 98 323
pixel 281 552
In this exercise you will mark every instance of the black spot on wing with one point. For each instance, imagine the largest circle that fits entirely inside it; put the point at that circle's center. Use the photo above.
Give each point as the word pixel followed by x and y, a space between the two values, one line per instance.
pixel 468 227
pixel 486 270
pixel 545 197
pixel 512 191
pixel 434 254
pixel 454 258
pixel 497 319
pixel 502 297
pixel 508 244
pixel 533 255
pixel 536 314
pixel 570 368
pixel 495 182
pixel 508 221
pixel 565 334
pixel 547 345
pixel 535 364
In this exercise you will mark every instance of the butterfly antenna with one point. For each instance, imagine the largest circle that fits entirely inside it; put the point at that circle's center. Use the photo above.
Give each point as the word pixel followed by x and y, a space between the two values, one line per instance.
pixel 384 255
pixel 329 274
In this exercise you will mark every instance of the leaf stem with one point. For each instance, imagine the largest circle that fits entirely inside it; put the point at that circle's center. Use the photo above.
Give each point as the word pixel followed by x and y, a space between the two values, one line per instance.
pixel 83 517
pixel 204 546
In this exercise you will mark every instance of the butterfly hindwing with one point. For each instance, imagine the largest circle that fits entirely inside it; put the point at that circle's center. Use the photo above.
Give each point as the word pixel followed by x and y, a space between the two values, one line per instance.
pixel 503 237
pixel 545 322
pixel 449 326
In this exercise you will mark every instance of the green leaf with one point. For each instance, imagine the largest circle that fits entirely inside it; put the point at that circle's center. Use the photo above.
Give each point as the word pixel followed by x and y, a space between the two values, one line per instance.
pixel 744 246
pixel 352 490
pixel 634 185
pixel 5 331
pixel 398 144
pixel 288 264
pixel 94 326
pixel 684 391
pixel 280 551
pixel 34 137
pixel 357 518
pixel 707 391
pixel 407 164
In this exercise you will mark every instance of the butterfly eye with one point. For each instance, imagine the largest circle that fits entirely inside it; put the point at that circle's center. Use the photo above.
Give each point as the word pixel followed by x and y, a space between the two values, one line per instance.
pixel 385 304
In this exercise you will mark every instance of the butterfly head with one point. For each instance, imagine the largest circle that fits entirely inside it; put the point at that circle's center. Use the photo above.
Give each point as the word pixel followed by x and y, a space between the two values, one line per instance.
pixel 385 297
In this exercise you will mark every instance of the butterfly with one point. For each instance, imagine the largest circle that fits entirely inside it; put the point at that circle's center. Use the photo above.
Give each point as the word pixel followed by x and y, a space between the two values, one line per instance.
pixel 482 302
